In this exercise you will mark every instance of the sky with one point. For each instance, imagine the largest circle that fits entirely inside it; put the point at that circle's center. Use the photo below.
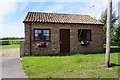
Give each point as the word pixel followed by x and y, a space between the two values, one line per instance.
pixel 13 12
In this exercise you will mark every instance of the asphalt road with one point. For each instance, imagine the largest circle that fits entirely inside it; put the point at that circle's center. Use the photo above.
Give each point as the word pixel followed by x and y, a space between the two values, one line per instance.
pixel 11 68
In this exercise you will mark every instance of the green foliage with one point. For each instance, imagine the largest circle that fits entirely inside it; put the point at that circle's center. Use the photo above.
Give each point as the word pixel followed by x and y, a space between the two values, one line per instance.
pixel 104 17
pixel 104 20
pixel 116 34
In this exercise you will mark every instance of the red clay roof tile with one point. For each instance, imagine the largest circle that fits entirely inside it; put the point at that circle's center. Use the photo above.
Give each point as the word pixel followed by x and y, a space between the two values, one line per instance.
pixel 34 17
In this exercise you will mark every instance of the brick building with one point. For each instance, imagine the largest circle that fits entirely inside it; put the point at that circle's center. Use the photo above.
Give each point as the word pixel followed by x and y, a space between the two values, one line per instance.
pixel 63 33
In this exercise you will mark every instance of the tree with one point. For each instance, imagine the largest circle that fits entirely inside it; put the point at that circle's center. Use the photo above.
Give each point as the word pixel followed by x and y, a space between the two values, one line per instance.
pixel 116 35
pixel 104 20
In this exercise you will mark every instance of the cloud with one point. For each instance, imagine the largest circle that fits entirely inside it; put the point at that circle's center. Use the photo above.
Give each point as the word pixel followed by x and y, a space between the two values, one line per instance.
pixel 6 8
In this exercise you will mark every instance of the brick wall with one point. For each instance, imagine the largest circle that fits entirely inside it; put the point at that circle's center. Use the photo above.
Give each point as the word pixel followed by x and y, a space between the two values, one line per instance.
pixel 96 45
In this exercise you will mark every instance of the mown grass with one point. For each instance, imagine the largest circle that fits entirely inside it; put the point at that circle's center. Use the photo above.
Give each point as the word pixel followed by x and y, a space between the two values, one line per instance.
pixel 73 65
pixel 112 46
pixel 14 40
pixel 9 46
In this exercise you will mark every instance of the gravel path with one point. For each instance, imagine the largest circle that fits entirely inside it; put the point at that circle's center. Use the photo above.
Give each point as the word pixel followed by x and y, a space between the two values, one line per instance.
pixel 10 53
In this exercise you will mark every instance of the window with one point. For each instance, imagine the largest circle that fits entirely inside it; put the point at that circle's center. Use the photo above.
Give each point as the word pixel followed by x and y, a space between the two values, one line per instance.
pixel 84 34
pixel 42 34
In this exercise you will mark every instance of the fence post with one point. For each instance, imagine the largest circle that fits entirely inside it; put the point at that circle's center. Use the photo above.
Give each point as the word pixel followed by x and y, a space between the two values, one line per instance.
pixel 4 42
pixel 22 48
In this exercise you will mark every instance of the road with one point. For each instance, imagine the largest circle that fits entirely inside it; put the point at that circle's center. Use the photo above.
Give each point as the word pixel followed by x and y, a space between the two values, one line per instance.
pixel 10 64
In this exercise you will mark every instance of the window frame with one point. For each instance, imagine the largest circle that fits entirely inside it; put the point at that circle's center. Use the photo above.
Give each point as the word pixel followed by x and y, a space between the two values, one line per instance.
pixel 42 34
pixel 85 30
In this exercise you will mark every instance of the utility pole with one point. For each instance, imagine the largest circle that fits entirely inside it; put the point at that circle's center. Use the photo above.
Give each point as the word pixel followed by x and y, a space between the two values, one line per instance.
pixel 108 36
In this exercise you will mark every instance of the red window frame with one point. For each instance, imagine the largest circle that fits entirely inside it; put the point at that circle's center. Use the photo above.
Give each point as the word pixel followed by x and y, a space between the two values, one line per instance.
pixel 42 34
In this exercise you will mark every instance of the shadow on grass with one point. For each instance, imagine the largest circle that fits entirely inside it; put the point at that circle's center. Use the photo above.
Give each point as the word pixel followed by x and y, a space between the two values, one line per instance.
pixel 113 65
pixel 113 50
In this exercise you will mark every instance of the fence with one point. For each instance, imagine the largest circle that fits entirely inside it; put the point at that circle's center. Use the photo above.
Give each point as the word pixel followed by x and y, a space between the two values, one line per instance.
pixel 4 42
pixel 9 42
pixel 14 42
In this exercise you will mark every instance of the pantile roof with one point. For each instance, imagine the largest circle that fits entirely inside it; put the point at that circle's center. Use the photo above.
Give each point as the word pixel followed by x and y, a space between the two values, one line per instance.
pixel 37 17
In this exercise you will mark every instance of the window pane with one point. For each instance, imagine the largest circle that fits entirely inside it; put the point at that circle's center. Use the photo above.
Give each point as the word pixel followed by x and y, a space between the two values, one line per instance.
pixel 39 36
pixel 79 34
pixel 45 31
pixel 84 34
pixel 88 35
pixel 36 31
pixel 48 31
pixel 42 34
pixel 46 36
pixel 39 31
pixel 36 35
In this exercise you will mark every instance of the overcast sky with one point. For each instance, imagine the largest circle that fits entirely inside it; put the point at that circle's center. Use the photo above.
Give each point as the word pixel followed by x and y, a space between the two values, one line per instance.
pixel 13 12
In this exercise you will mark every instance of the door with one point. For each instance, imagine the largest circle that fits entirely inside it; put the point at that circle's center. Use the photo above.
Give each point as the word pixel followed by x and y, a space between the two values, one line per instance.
pixel 64 40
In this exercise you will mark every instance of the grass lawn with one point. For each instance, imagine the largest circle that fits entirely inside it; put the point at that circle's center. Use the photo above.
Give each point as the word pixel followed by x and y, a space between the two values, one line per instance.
pixel 14 40
pixel 112 46
pixel 9 46
pixel 72 65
